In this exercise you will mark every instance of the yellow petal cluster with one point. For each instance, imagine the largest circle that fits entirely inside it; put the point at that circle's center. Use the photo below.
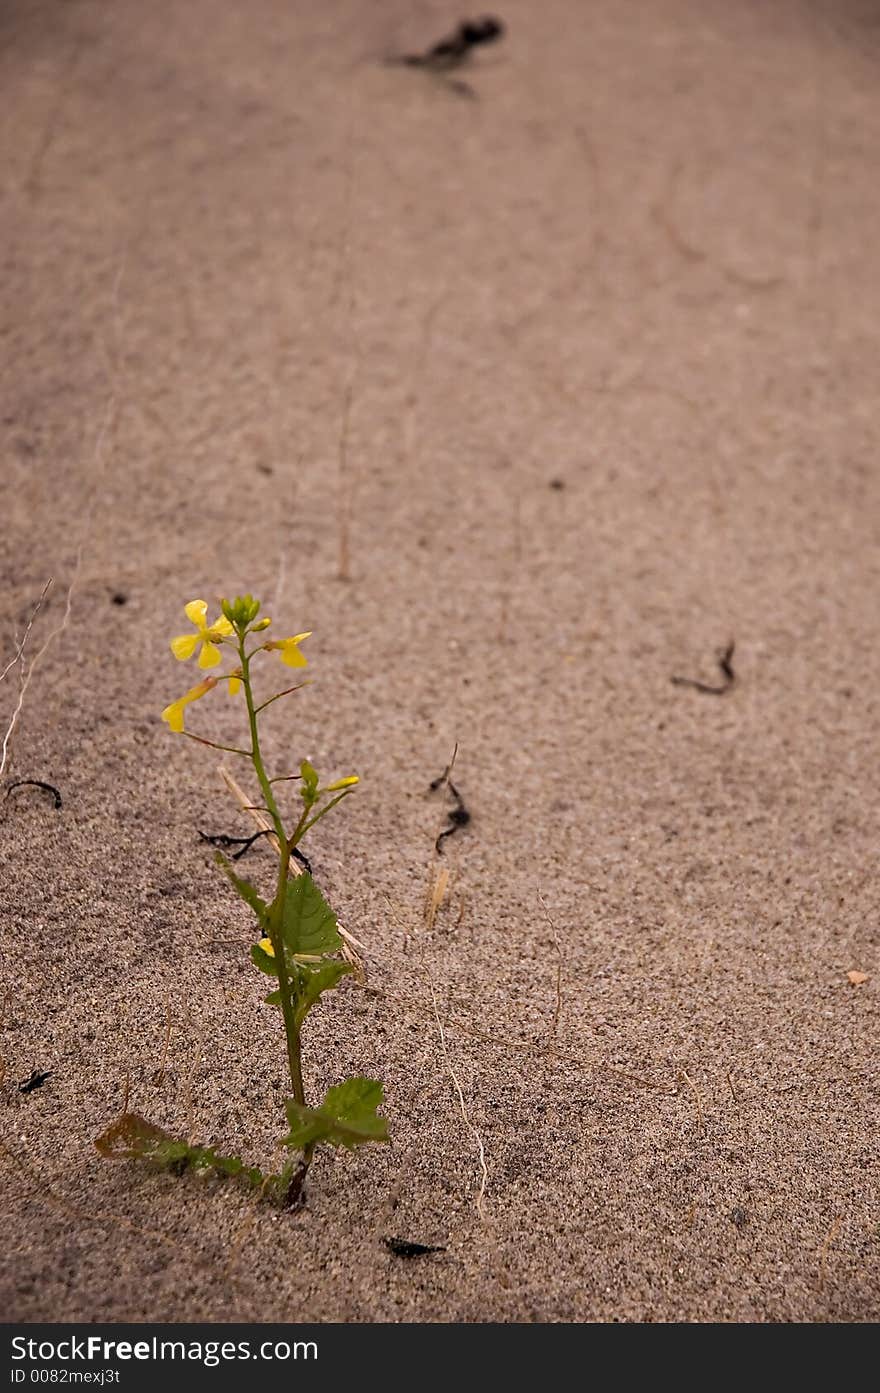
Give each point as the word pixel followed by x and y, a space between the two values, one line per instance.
pixel 204 639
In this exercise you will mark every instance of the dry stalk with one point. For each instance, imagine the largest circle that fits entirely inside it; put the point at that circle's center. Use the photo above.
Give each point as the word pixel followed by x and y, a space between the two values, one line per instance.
pixel 693 1087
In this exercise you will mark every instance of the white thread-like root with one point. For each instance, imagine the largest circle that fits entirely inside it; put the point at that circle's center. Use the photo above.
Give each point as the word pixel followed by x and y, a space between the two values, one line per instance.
pixel 484 1173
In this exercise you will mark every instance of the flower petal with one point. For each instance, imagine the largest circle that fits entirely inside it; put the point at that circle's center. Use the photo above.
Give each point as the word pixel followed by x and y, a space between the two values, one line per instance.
pixel 290 653
pixel 195 612
pixel 348 782
pixel 173 714
pixel 184 646
pixel 266 945
pixel 221 627
pixel 234 683
pixel 210 655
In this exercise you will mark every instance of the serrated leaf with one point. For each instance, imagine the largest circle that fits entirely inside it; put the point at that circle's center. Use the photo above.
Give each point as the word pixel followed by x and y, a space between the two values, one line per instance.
pixel 263 960
pixel 244 889
pixel 316 980
pixel 309 923
pixel 347 1117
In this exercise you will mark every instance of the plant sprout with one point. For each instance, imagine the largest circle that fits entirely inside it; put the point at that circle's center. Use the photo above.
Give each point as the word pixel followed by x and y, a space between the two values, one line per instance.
pixel 299 943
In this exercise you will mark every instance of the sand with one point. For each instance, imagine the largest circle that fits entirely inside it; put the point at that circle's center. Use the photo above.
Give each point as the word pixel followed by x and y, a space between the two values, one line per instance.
pixel 524 403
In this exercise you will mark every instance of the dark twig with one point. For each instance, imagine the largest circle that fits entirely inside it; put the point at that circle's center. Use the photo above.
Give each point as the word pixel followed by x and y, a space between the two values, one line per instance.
pixel 459 816
pixel 726 665
pixel 37 783
pixel 244 844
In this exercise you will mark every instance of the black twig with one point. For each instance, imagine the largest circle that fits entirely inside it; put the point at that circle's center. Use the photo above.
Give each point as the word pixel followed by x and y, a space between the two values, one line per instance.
pixel 726 665
pixel 244 844
pixel 459 816
pixel 37 783
pixel 226 843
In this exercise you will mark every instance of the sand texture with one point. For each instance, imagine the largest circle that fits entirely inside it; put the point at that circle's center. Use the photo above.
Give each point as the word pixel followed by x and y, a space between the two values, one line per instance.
pixel 525 401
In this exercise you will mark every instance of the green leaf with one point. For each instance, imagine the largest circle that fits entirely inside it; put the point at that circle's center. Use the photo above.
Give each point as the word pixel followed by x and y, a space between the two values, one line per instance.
pixel 244 888
pixel 347 1117
pixel 133 1137
pixel 264 961
pixel 309 984
pixel 309 923
pixel 313 981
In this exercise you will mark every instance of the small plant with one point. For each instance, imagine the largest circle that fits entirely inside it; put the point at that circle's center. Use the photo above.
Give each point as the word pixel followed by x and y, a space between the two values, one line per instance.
pixel 299 943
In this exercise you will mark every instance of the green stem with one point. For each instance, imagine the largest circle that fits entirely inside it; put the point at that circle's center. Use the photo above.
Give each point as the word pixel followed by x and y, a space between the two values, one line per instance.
pixel 276 909
pixel 232 749
pixel 278 696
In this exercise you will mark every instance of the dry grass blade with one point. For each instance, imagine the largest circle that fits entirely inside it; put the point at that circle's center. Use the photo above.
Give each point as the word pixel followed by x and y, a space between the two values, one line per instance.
pixel 828 1240
pixel 16 657
pixel 25 671
pixel 437 887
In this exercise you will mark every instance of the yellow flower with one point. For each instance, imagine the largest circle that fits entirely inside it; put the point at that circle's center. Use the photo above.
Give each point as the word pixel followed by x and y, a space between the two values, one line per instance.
pixel 342 783
pixel 173 714
pixel 234 681
pixel 206 636
pixel 266 945
pixel 289 649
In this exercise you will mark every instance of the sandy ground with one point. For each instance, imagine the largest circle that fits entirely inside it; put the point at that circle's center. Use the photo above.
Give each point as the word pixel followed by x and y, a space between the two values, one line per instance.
pixel 524 403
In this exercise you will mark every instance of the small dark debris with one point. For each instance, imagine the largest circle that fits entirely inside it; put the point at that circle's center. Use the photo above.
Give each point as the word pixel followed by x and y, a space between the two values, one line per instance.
pixel 558 484
pixel 402 1248
pixel 459 816
pixel 726 665
pixel 739 1217
pixel 266 469
pixel 120 598
pixel 36 1080
pixel 37 783
pixel 457 46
